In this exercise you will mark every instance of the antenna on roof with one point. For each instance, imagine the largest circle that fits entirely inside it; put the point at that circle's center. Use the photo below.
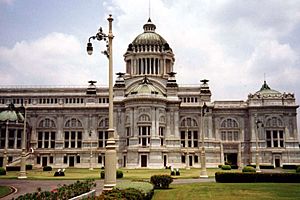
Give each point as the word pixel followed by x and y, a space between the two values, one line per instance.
pixel 149 8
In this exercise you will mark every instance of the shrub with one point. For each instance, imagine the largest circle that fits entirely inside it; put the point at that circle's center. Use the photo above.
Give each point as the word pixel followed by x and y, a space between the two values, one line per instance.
pixel 226 167
pixel 29 167
pixel 145 187
pixel 239 177
pixel 177 173
pixel 119 174
pixel 47 168
pixel 13 168
pixel 220 166
pixel 2 171
pixel 172 173
pixel 298 170
pixel 234 166
pixel 161 181
pixel 289 166
pixel 266 166
pixel 63 192
pixel 248 169
pixel 129 193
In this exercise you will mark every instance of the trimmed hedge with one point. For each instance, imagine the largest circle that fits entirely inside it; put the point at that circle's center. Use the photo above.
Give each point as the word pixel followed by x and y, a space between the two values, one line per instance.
pixel 47 168
pixel 266 166
pixel 161 181
pixel 234 166
pixel 298 170
pixel 129 193
pixel 17 168
pixel 119 174
pixel 226 167
pixel 238 177
pixel 2 171
pixel 289 166
pixel 145 187
pixel 29 167
pixel 248 169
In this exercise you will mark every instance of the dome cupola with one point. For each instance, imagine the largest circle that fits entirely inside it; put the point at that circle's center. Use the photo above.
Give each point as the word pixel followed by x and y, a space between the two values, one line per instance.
pixel 149 54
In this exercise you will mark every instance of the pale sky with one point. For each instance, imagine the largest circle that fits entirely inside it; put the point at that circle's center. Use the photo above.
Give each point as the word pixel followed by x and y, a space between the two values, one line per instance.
pixel 232 43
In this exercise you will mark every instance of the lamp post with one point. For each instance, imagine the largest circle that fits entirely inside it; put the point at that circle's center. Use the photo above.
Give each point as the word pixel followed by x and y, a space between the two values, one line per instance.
pixel 258 124
pixel 5 145
pixel 187 148
pixel 91 153
pixel 203 173
pixel 22 174
pixel 110 152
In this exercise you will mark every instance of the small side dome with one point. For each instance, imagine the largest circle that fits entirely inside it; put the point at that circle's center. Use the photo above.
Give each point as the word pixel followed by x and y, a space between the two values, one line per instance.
pixel 145 88
pixel 11 114
pixel 265 90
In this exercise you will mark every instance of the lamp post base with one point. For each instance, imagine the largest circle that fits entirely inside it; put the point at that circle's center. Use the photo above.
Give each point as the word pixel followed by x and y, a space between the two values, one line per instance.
pixel 110 162
pixel 203 174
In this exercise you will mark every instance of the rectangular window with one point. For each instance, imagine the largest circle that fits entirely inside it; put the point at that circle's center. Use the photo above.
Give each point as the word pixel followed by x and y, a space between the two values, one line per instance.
pixel 2 139
pixel 79 139
pixel 78 159
pixel 100 159
pixel 66 139
pixel 51 160
pixel 65 159
pixel 183 158
pixel 182 138
pixel 268 138
pixel 223 135
pixel 195 138
pixel 46 140
pixel 11 139
pixel 53 140
pixel 196 159
pixel 38 160
pixel 19 138
pixel 102 138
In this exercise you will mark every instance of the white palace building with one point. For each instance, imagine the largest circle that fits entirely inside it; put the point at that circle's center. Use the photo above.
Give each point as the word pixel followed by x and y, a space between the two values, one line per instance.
pixel 157 122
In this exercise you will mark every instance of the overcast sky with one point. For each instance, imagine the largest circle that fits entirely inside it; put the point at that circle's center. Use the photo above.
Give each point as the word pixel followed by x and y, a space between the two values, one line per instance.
pixel 231 43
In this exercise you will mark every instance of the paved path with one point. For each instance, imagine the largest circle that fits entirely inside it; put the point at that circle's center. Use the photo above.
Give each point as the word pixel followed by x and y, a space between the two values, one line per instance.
pixel 29 186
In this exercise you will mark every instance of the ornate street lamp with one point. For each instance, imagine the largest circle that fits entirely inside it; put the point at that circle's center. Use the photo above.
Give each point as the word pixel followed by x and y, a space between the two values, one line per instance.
pixel 110 152
pixel 91 152
pixel 22 174
pixel 203 173
pixel 259 124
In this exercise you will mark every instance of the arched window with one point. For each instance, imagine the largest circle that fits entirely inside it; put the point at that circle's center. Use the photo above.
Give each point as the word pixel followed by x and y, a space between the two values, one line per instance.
pixel 102 132
pixel 274 129
pixel 144 126
pixel 46 133
pixel 162 127
pixel 229 129
pixel 73 133
pixel 189 132
pixel 144 118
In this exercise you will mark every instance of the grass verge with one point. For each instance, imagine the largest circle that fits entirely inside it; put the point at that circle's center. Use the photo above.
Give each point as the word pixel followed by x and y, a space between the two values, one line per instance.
pixel 228 191
pixel 4 190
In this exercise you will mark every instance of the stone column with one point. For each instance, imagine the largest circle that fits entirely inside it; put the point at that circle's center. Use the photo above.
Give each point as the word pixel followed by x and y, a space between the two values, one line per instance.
pixel 222 153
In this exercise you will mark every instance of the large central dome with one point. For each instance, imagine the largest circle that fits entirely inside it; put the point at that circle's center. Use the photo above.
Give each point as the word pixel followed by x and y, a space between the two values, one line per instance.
pixel 149 36
pixel 149 54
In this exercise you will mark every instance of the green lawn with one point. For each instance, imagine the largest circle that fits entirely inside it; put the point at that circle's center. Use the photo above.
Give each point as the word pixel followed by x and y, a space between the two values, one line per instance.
pixel 4 190
pixel 132 174
pixel 228 191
